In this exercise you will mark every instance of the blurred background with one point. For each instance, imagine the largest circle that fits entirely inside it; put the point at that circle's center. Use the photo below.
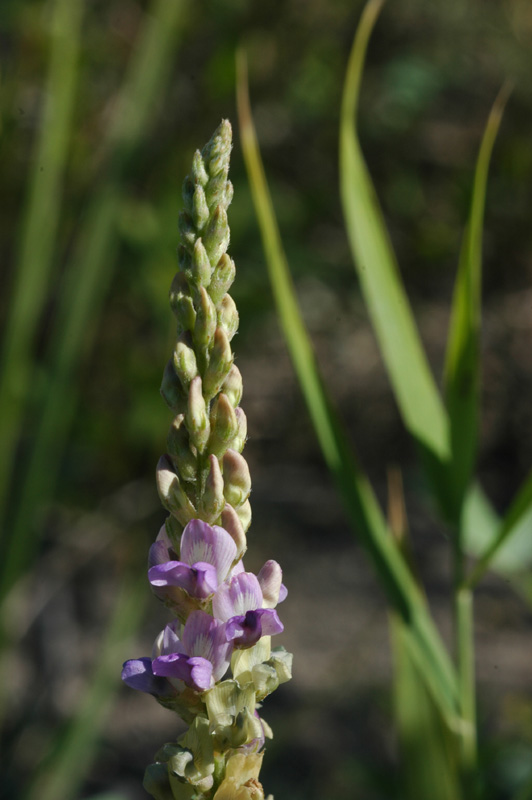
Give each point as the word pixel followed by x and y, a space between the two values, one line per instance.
pixel 102 106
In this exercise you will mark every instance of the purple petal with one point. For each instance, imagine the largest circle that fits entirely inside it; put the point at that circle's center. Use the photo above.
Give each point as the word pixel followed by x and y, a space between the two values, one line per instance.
pixel 205 637
pixel 198 580
pixel 195 672
pixel 270 580
pixel 206 543
pixel 283 592
pixel 138 674
pixel 242 594
pixel 246 630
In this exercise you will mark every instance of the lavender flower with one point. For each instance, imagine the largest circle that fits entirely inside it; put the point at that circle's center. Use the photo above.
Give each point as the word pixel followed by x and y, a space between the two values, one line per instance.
pixel 213 663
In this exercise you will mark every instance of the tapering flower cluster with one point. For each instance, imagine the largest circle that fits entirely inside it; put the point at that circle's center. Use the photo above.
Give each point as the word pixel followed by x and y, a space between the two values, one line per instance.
pixel 213 663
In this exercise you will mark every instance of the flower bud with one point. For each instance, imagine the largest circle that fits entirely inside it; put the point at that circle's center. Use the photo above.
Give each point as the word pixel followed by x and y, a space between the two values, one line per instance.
pixel 228 194
pixel 216 190
pixel 237 480
pixel 199 172
pixel 244 514
pixel 224 426
pixel 185 361
pixel 196 416
pixel 172 389
pixel 270 579
pixel 200 210
pixel 228 316
pixel 200 266
pixel 187 230
pixel 172 494
pixel 231 523
pixel 205 320
pixel 232 386
pixel 213 501
pixel 222 278
pixel 220 363
pixel 242 430
pixel 216 235
pixel 178 443
pixel 182 304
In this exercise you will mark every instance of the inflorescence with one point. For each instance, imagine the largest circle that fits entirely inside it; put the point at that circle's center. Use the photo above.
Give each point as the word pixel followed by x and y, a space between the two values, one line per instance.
pixel 213 664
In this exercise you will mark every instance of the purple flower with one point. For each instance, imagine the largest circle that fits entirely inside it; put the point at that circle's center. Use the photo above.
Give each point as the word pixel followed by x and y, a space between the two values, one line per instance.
pixel 138 674
pixel 207 553
pixel 239 604
pixel 200 658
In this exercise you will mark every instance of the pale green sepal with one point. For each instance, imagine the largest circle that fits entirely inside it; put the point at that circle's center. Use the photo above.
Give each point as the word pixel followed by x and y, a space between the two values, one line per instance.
pixel 200 211
pixel 172 390
pixel 243 661
pixel 199 172
pixel 233 386
pixel 206 320
pixel 171 492
pixel 221 361
pixel 268 676
pixel 228 316
pixel 194 759
pixel 216 235
pixel 157 783
pixel 197 419
pixel 231 713
pixel 200 268
pixel 184 360
pixel 179 448
pixel 224 426
pixel 244 514
pixel 222 278
pixel 212 501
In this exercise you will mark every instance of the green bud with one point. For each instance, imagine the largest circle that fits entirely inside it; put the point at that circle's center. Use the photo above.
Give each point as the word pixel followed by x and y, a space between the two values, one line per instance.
pixel 216 190
pixel 242 431
pixel 220 363
pixel 217 151
pixel 200 266
pixel 237 480
pixel 233 386
pixel 174 529
pixel 187 230
pixel 216 235
pixel 196 417
pixel 172 389
pixel 184 360
pixel 205 326
pixel 228 316
pixel 224 426
pixel 231 522
pixel 244 514
pixel 271 673
pixel 212 501
pixel 222 278
pixel 199 173
pixel 179 448
pixel 188 193
pixel 200 210
pixel 228 194
pixel 173 496
pixel 182 304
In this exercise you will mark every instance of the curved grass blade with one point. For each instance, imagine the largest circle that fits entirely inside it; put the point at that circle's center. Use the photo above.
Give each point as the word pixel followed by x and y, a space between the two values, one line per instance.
pixel 89 275
pixel 38 233
pixel 415 390
pixel 462 366
pixel 356 492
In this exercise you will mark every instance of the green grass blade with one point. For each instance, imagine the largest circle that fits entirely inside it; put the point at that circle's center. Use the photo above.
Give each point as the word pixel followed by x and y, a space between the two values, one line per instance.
pixel 514 533
pixel 73 752
pixel 38 232
pixel 462 368
pixel 89 275
pixel 416 393
pixel 354 488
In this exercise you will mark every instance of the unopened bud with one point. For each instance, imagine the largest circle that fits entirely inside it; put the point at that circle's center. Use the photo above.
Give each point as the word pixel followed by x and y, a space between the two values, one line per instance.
pixel 213 500
pixel 184 360
pixel 220 362
pixel 222 278
pixel 233 386
pixel 244 514
pixel 181 303
pixel 217 151
pixel 224 426
pixel 187 230
pixel 200 210
pixel 196 417
pixel 242 430
pixel 237 480
pixel 172 390
pixel 231 523
pixel 200 266
pixel 174 529
pixel 172 494
pixel 179 448
pixel 228 316
pixel 199 173
pixel 216 235
pixel 205 320
pixel 270 579
pixel 216 190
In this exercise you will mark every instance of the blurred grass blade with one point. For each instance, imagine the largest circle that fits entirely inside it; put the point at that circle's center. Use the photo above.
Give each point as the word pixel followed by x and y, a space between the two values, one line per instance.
pixel 514 533
pixel 462 367
pixel 73 752
pixel 38 232
pixel 354 488
pixel 416 393
pixel 429 763
pixel 89 274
